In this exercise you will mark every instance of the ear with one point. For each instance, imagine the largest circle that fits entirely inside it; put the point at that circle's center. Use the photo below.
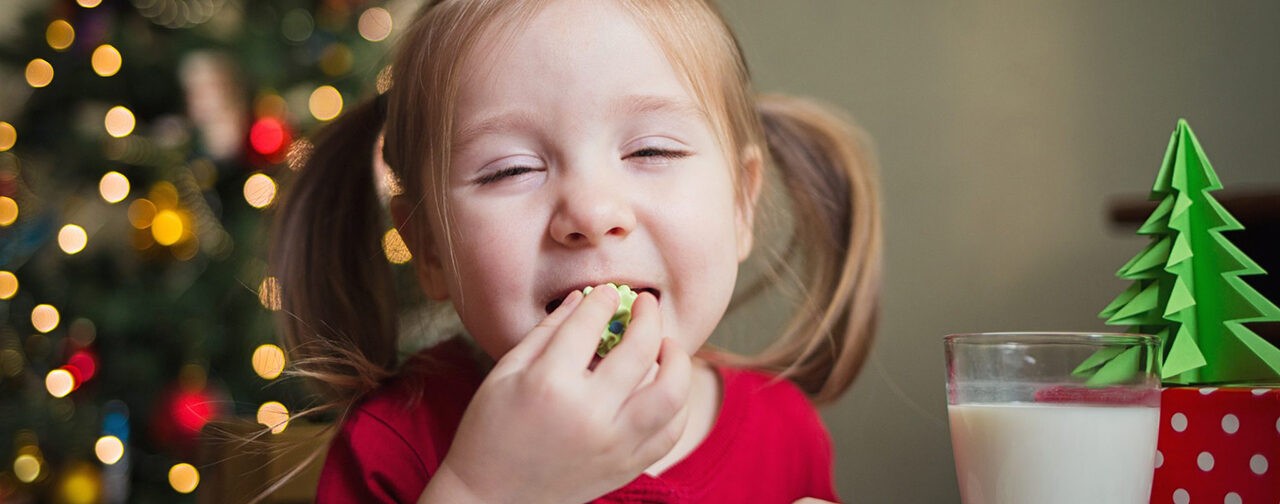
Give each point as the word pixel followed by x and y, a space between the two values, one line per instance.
pixel 752 177
pixel 417 236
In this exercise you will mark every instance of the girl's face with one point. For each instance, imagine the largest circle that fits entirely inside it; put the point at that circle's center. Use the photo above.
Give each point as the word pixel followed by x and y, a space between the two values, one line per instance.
pixel 580 158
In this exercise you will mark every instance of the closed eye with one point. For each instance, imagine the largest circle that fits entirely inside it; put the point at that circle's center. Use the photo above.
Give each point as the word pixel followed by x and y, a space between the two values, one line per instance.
pixel 504 173
pixel 652 152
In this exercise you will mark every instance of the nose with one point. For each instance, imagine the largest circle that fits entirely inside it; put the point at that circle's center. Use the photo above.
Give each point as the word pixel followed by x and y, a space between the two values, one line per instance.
pixel 591 209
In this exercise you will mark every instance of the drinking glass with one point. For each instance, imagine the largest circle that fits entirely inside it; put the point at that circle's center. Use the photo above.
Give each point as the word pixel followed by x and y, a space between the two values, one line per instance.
pixel 1053 417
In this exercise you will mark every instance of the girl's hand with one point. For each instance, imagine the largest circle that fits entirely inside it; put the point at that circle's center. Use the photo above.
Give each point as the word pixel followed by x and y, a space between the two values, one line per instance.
pixel 543 428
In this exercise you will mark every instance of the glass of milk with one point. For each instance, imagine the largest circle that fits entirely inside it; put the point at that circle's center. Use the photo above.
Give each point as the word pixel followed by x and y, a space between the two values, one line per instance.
pixel 1050 418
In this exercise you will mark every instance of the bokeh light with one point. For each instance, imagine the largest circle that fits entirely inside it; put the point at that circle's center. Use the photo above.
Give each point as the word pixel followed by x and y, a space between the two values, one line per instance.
pixel 8 136
pixel 268 361
pixel 184 478
pixel 109 449
pixel 114 187
pixel 59 382
pixel 45 318
pixel 60 35
pixel 8 284
pixel 26 467
pixel 383 83
pixel 336 59
pixel 297 25
pixel 269 293
pixel 88 4
pixel 119 121
pixel 393 246
pixel 39 73
pixel 259 190
pixel 325 103
pixel 375 24
pixel 267 135
pixel 8 211
pixel 72 239
pixel 274 415
pixel 106 60
pixel 141 212
pixel 167 227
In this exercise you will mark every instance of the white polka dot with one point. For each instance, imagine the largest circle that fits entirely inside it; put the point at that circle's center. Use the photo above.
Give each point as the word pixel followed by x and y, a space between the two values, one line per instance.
pixel 1277 424
pixel 1258 464
pixel 1232 498
pixel 1159 459
pixel 1179 422
pixel 1260 391
pixel 1181 496
pixel 1207 390
pixel 1205 461
pixel 1230 424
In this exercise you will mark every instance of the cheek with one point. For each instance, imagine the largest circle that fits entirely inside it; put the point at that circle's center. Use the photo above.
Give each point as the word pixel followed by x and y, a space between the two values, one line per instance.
pixel 488 277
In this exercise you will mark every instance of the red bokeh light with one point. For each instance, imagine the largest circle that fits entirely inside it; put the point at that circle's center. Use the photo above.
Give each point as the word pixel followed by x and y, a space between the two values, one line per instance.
pixel 268 136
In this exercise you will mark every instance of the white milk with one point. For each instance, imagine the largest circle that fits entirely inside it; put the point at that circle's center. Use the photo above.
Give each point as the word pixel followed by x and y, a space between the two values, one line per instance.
pixel 1024 453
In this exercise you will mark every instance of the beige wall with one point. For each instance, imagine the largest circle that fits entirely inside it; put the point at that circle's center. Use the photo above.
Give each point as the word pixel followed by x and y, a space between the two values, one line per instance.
pixel 1004 128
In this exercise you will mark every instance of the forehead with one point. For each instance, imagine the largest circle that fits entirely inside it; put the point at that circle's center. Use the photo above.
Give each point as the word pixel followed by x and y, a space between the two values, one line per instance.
pixel 569 55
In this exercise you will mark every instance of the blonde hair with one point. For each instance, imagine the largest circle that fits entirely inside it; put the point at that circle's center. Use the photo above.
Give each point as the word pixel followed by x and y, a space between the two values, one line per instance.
pixel 338 296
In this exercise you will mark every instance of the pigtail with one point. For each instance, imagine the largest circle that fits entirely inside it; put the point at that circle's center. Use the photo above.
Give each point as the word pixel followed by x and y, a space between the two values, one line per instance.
pixel 830 175
pixel 338 308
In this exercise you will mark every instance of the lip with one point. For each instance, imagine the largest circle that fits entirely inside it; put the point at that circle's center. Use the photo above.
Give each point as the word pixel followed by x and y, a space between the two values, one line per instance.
pixel 554 301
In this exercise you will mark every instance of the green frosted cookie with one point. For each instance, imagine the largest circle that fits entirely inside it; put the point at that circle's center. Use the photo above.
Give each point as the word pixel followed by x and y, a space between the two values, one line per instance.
pixel 612 334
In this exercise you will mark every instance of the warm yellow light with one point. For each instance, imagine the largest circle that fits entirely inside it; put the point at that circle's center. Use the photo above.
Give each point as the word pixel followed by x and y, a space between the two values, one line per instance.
pixel 26 467
pixel 167 227
pixel 39 73
pixel 119 121
pixel 375 24
pixel 109 449
pixel 88 4
pixel 106 60
pixel 269 293
pixel 45 318
pixel 72 239
pixel 141 213
pixel 268 361
pixel 59 382
pixel 8 136
pixel 325 103
pixel 114 187
pixel 8 284
pixel 8 211
pixel 60 35
pixel 259 190
pixel 164 195
pixel 184 478
pixel 393 246
pixel 274 415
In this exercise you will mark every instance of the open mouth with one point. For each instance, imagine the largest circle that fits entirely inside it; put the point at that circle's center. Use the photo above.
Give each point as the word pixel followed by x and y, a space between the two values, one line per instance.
pixel 555 303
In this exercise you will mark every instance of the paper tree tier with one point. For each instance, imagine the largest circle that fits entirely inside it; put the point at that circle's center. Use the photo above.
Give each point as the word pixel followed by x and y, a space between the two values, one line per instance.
pixel 1186 284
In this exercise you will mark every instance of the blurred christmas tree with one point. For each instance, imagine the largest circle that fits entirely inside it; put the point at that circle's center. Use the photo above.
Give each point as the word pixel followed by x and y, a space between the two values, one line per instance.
pixel 139 145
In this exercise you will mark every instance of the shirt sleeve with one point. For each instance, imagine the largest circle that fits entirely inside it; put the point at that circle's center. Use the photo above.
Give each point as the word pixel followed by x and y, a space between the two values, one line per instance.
pixel 369 461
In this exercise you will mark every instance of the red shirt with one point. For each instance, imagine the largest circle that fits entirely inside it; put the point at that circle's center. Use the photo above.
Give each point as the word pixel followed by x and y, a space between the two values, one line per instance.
pixel 767 444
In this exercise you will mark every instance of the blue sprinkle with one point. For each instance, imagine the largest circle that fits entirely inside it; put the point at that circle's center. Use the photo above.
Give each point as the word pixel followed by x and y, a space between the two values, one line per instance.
pixel 615 327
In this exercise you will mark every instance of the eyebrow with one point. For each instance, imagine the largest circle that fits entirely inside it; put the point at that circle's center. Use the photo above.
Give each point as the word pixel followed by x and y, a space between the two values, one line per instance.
pixel 628 105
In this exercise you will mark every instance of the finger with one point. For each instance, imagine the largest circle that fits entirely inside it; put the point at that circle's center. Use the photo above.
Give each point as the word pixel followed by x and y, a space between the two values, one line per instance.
pixel 575 341
pixel 662 442
pixel 626 365
pixel 535 342
pixel 651 407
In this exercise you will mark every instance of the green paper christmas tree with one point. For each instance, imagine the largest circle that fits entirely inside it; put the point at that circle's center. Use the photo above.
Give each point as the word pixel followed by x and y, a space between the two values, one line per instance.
pixel 1186 284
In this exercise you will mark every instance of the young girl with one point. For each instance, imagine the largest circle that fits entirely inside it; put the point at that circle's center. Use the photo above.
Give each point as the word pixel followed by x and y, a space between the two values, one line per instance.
pixel 541 147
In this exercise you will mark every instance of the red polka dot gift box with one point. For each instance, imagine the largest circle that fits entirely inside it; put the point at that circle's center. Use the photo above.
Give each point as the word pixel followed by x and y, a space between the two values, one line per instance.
pixel 1218 445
